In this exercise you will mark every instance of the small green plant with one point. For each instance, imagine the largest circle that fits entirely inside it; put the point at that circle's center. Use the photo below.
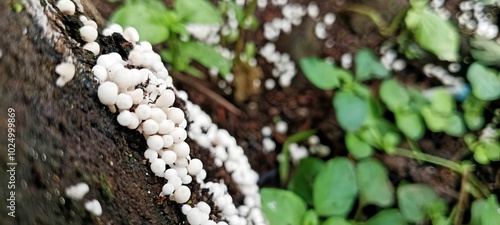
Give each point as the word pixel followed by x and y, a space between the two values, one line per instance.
pixel 363 116
pixel 486 148
pixel 326 193
pixel 158 24
pixel 433 33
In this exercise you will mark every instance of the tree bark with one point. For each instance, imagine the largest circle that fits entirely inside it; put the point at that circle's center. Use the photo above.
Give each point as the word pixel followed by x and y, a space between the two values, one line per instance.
pixel 63 135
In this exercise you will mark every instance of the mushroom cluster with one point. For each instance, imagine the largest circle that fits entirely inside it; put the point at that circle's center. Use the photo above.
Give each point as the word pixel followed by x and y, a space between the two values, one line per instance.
pixel 140 90
pixel 228 154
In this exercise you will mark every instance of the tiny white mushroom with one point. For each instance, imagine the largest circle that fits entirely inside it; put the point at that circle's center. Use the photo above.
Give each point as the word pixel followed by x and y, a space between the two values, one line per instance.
pixel 130 34
pixel 66 72
pixel 181 149
pixel 66 7
pixel 124 118
pixel 124 101
pixel 107 93
pixel 175 114
pixel 169 157
pixel 195 166
pixel 94 207
pixel 88 33
pixel 155 142
pixel 100 72
pixel 93 47
pixel 182 194
pixel 158 166
pixel 77 191
pixel 149 127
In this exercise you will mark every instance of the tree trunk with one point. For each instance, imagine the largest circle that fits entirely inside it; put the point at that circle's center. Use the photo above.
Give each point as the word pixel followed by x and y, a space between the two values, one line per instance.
pixel 63 135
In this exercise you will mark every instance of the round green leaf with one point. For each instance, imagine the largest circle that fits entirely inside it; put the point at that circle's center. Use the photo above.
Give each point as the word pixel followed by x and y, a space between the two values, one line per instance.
pixel 350 109
pixel 205 55
pixel 390 141
pixel 480 155
pixel 198 11
pixel 442 102
pixel 302 179
pixel 387 217
pixel 485 212
pixel 455 126
pixel 357 147
pixel 320 73
pixel 368 66
pixel 393 94
pixel 473 121
pixel 434 122
pixel 143 16
pixel 282 207
pixel 374 185
pixel 334 220
pixel 310 218
pixel 485 82
pixel 413 198
pixel 335 188
pixel 411 124
pixel 492 150
pixel 434 33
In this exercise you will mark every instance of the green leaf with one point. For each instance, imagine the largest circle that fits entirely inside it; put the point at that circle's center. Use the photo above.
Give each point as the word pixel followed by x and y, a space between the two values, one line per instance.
pixel 473 112
pixel 145 17
pixel 368 66
pixel 485 82
pixel 206 55
pixel 390 141
pixel 485 212
pixel 303 178
pixel 412 200
pixel 250 50
pixel 335 220
pixel 335 188
pixel 434 122
pixel 374 185
pixel 351 110
pixel 320 73
pixel 434 33
pixel 357 147
pixel 197 11
pixel 492 149
pixel 411 124
pixel 387 217
pixel 310 218
pixel 419 4
pixel 485 51
pixel 455 126
pixel 394 95
pixel 442 102
pixel 282 207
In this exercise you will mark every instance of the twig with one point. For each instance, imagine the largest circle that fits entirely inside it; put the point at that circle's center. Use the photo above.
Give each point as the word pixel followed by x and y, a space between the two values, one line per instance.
pixel 209 93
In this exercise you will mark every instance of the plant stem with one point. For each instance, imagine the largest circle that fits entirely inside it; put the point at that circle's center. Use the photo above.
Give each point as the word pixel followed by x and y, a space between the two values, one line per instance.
pixel 377 19
pixel 429 158
pixel 445 163
pixel 284 166
pixel 359 209
pixel 462 198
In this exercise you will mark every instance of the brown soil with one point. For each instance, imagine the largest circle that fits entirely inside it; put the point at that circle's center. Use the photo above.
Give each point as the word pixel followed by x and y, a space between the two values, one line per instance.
pixel 64 136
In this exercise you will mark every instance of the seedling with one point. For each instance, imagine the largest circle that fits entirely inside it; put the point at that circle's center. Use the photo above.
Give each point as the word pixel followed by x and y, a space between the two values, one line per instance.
pixel 157 24
pixel 328 194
